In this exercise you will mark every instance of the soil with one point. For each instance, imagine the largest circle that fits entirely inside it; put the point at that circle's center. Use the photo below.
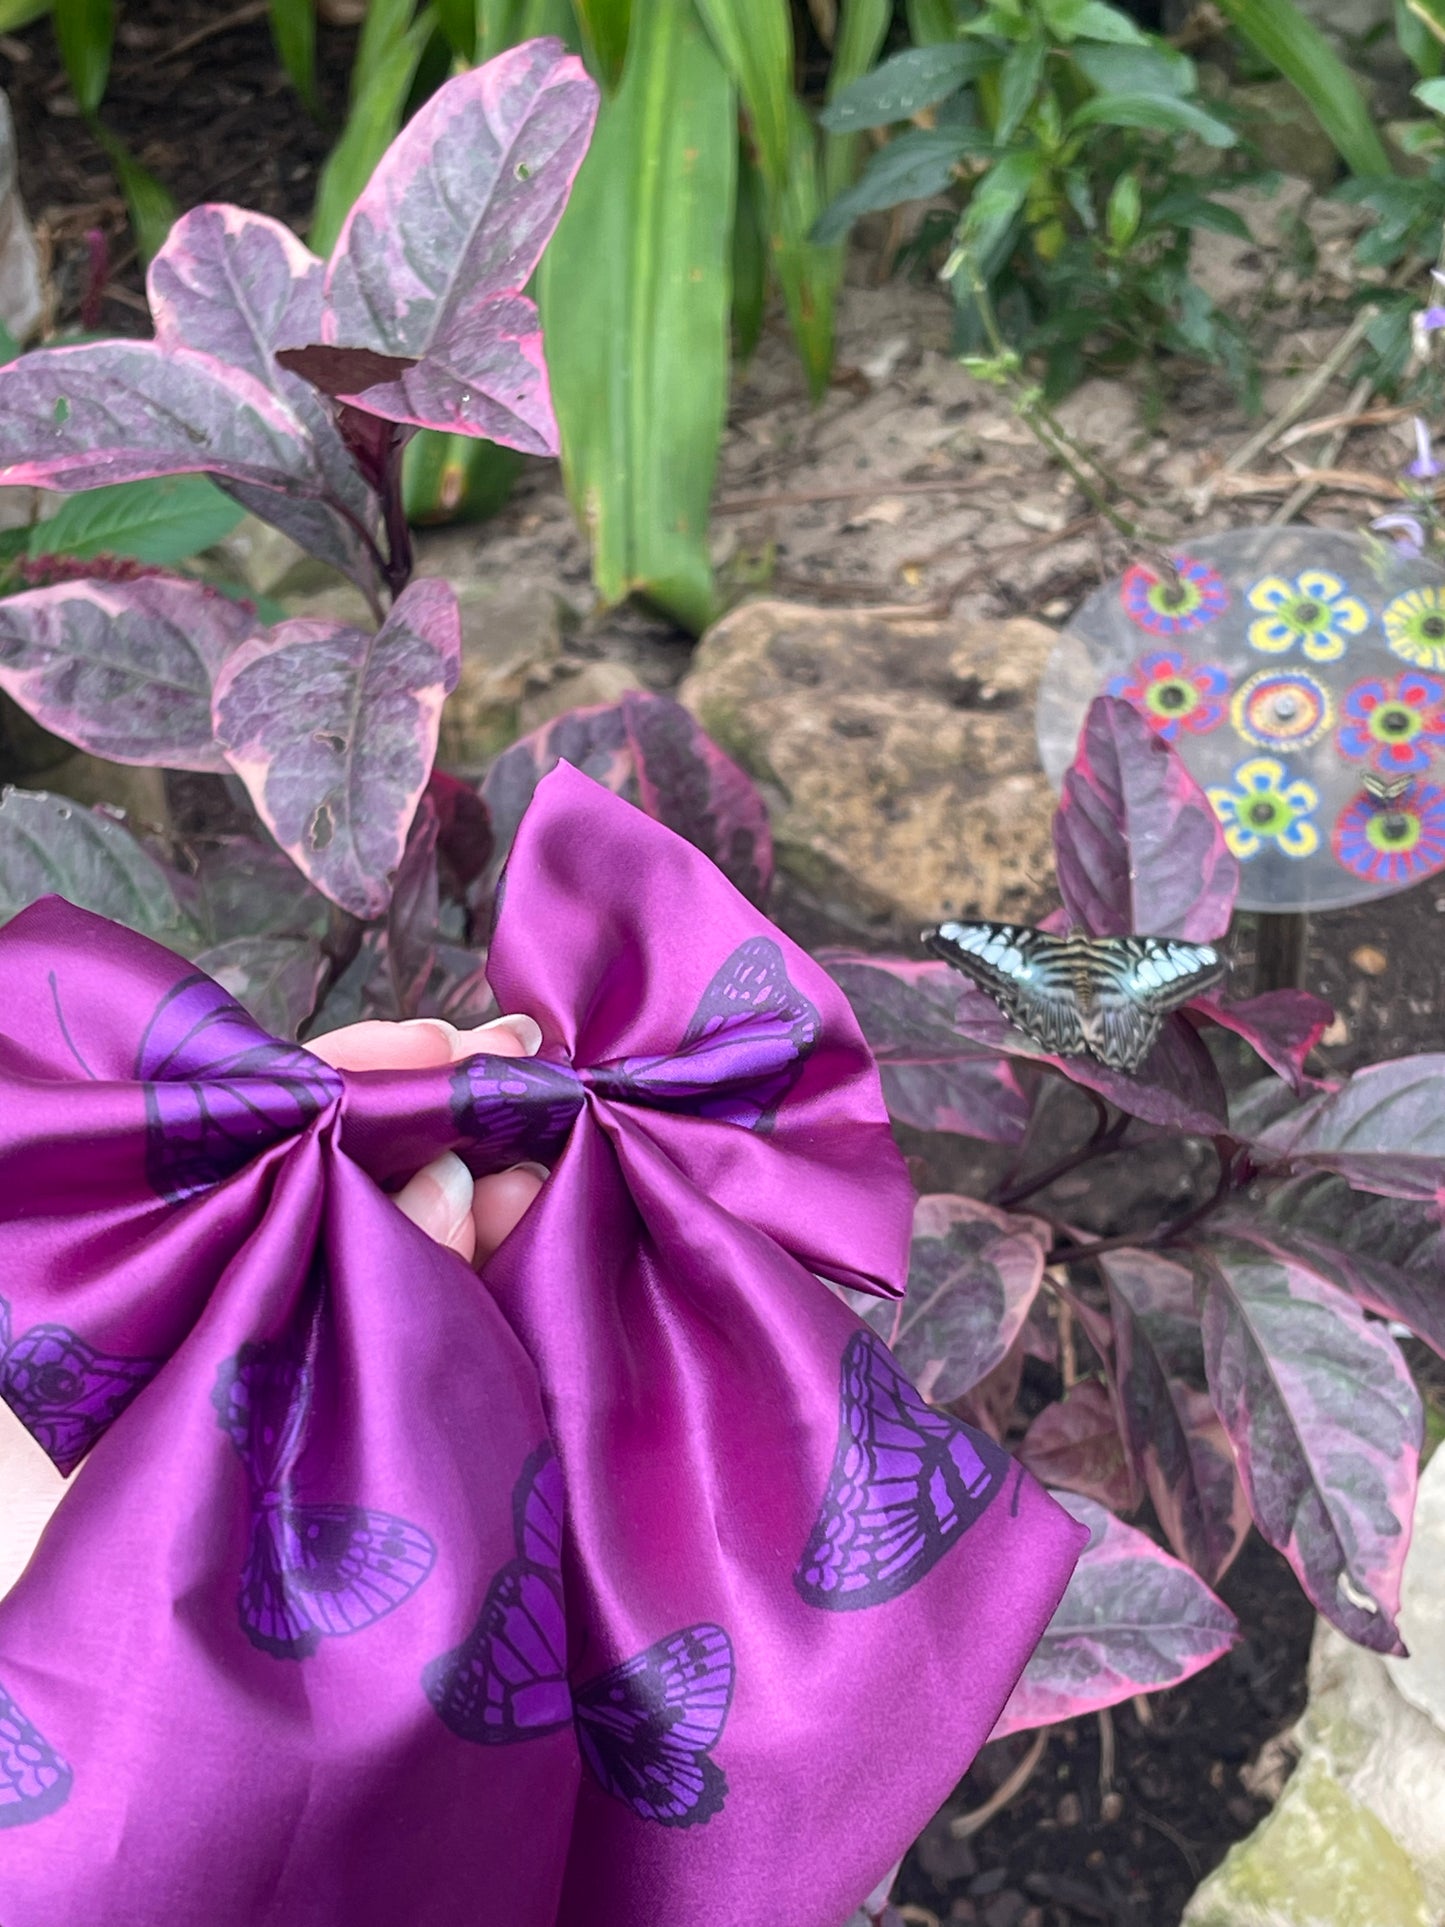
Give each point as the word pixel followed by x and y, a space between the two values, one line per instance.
pixel 909 485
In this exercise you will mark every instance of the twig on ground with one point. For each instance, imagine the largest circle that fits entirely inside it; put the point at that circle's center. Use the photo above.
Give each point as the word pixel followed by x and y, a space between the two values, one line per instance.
pixel 1175 1837
pixel 1330 454
pixel 242 17
pixel 967 1824
pixel 1348 418
pixel 1346 481
pixel 1106 1752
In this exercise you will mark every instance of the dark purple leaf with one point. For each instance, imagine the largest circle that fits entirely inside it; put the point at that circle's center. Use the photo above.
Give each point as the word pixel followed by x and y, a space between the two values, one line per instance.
pixel 51 846
pixel 464 834
pixel 123 669
pixel 235 284
pixel 245 888
pixel 1383 1129
pixel 342 371
pixel 434 254
pixel 1178 1446
pixel 1326 1424
pixel 411 918
pixel 1138 847
pixel 1133 1620
pixel 1388 1252
pixel 277 979
pixel 1075 1443
pixel 973 1273
pixel 934 1078
pixel 459 990
pixel 333 732
pixel 1281 1026
pixel 593 740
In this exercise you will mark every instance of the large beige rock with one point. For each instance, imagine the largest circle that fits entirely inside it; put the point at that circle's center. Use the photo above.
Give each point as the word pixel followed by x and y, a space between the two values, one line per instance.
pixel 897 755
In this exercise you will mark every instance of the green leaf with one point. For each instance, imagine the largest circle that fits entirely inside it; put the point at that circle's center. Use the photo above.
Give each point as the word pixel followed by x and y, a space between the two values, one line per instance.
pixel 293 30
pixel 386 62
pixel 9 346
pixel 507 23
pixel 930 22
pixel 1135 70
pixel 149 204
pixel 996 200
pixel 1123 212
pixel 455 478
pixel 84 30
pixel 636 301
pixel 862 28
pixel 161 521
pixel 458 22
pixel 909 169
pixel 1093 20
pixel 1432 94
pixel 1294 44
pixel 1159 113
pixel 1186 207
pixel 1018 83
pixel 15 14
pixel 49 845
pixel 606 27
pixel 904 85
pixel 754 39
pixel 750 257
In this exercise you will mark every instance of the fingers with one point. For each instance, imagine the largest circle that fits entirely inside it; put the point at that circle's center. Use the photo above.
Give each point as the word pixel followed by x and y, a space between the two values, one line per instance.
pixel 439 1200
pixel 500 1203
pixel 424 1043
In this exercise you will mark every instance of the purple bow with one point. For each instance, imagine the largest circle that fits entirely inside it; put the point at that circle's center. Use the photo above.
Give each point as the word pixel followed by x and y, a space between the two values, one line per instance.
pixel 631 1581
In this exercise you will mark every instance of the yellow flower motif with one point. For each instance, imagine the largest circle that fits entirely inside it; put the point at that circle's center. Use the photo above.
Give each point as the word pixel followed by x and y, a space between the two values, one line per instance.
pixel 1415 627
pixel 1266 807
pixel 1314 610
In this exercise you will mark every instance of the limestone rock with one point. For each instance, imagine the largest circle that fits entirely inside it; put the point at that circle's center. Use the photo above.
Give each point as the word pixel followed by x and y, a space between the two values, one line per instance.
pixel 1421 1677
pixel 22 281
pixel 575 684
pixel 897 757
pixel 511 642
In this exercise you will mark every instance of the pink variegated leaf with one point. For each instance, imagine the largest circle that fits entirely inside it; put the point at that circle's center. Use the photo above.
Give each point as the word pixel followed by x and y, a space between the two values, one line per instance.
pixel 1132 1620
pixel 1326 1424
pixel 1075 1443
pixel 1383 1129
pixel 123 669
pixel 1281 1026
pixel 1137 845
pixel 934 1078
pixel 1175 1439
pixel 437 249
pixel 333 732
pixel 412 915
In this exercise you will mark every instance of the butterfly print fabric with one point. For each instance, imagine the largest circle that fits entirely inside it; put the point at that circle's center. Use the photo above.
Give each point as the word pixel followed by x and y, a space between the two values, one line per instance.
pixel 573 1595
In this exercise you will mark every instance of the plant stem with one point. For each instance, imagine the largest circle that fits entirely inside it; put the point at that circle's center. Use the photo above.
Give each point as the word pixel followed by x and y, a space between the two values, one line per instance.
pixel 1105 1139
pixel 1225 1148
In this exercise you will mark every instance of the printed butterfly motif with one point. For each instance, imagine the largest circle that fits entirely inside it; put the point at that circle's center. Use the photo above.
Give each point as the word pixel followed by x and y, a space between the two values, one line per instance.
pixel 312 1571
pixel 646 1728
pixel 1103 997
pixel 907 1483
pixel 515 1107
pixel 34 1780
pixel 219 1089
pixel 63 1391
pixel 507 1681
pixel 742 1052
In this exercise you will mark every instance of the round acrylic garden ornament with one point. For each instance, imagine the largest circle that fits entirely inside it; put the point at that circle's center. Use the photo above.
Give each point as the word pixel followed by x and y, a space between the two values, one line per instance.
pixel 1300 673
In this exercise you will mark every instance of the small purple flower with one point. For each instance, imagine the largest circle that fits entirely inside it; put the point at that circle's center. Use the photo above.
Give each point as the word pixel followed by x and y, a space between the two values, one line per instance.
pixel 1424 468
pixel 1409 530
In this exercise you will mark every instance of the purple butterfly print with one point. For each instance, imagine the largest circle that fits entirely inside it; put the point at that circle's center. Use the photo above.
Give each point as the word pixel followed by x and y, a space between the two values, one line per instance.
pixel 34 1780
pixel 740 1055
pixel 508 1680
pixel 312 1571
pixel 63 1391
pixel 514 1108
pixel 219 1089
pixel 907 1483
pixel 647 1727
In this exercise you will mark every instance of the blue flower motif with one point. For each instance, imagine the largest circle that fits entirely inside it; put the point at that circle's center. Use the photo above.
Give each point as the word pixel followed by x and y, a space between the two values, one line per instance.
pixel 1266 806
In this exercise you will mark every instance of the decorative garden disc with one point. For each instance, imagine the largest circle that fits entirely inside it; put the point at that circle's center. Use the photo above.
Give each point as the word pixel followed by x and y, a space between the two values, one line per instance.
pixel 1301 675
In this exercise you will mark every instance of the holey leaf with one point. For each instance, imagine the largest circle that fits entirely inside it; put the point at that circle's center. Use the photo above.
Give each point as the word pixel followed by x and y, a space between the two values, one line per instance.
pixel 1326 1426
pixel 1132 1620
pixel 973 1273
pixel 435 253
pixel 1176 1442
pixel 333 732
pixel 50 846
pixel 123 669
pixel 1137 845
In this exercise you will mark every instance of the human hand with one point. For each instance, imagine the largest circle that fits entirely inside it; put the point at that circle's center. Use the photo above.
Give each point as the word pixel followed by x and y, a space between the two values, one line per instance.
pixel 469 1216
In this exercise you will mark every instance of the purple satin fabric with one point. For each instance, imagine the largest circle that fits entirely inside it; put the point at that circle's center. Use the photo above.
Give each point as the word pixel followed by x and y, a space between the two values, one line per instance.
pixel 627 1583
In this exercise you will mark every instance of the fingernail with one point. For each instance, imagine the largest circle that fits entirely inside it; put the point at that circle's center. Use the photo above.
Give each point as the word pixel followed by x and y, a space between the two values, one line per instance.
pixel 539 1171
pixel 439 1198
pixel 438 1024
pixel 526 1030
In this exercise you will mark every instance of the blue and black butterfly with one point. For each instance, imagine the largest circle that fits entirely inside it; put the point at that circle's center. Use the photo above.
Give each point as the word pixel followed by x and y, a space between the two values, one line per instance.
pixel 1077 996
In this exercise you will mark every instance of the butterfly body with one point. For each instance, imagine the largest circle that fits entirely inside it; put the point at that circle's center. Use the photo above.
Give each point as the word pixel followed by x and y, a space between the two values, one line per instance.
pixel 1104 997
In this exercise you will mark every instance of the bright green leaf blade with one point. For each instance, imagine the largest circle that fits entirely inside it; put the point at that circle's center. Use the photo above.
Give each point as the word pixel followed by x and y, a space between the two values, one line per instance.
pixel 1095 21
pixel 370 127
pixel 755 41
pixel 1432 93
pixel 293 30
pixel 506 23
pixel 904 85
pixel 455 478
pixel 750 258
pixel 995 201
pixel 1135 70
pixel 15 14
pixel 910 168
pixel 862 28
pixel 161 521
pixel 84 30
pixel 1018 83
pixel 151 209
pixel 1158 113
pixel 458 20
pixel 1293 44
pixel 930 22
pixel 635 304
pixel 606 28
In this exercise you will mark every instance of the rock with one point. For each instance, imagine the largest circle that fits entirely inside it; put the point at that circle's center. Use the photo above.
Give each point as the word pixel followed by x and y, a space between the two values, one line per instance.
pixel 897 756
pixel 22 281
pixel 511 644
pixel 271 564
pixel 1103 415
pixel 1285 132
pixel 1358 1837
pixel 575 684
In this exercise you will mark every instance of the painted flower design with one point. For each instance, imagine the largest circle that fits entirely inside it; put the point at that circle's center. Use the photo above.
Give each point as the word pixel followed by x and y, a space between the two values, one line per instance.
pixel 1164 608
pixel 1396 726
pixel 1172 694
pixel 1282 709
pixel 1396 844
pixel 1266 805
pixel 1415 627
pixel 1315 610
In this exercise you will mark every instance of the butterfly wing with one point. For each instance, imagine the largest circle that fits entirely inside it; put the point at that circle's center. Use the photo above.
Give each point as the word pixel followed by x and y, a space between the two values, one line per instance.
pixel 272 1617
pixel 508 1680
pixel 907 1483
pixel 538 1501
pixel 347 1566
pixel 1135 982
pixel 262 1398
pixel 219 1089
pixel 1026 972
pixel 513 1108
pixel 65 1392
pixel 646 1729
pixel 34 1780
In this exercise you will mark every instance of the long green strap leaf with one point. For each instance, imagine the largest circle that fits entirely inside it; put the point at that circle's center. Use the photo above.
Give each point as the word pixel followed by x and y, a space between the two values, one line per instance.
pixel 386 63
pixel 1295 45
pixel 755 40
pixel 606 25
pixel 635 300
pixel 293 31
pixel 931 22
pixel 84 30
